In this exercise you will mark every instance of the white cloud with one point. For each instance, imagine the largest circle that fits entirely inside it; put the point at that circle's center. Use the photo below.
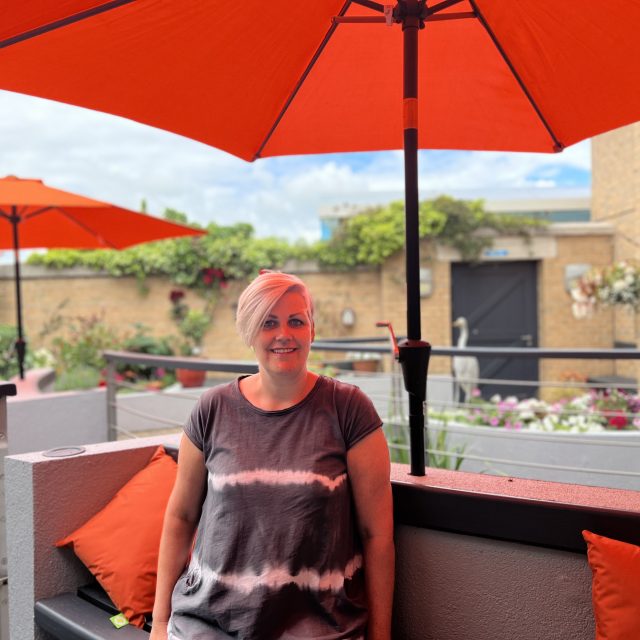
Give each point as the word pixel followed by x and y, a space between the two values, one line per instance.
pixel 116 160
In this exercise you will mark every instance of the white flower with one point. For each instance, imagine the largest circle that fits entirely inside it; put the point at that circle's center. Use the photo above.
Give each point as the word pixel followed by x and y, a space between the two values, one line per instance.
pixel 619 285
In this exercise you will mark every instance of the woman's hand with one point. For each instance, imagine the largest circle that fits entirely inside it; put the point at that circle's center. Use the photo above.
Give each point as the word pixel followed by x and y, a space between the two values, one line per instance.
pixel 369 470
pixel 180 521
pixel 158 631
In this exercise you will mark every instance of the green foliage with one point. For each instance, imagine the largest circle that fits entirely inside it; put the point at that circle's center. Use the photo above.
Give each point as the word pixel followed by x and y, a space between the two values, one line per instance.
pixel 79 377
pixel 88 338
pixel 143 342
pixel 193 327
pixel 368 238
pixel 463 219
pixel 193 324
pixel 8 358
pixel 232 249
pixel 440 456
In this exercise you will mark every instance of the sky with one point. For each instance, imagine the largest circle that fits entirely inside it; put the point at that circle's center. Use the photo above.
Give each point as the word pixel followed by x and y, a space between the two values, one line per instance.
pixel 123 162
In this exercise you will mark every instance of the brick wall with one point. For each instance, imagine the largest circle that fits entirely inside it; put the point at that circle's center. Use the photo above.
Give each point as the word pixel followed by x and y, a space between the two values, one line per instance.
pixel 557 326
pixel 374 294
pixel 616 200
pixel 121 303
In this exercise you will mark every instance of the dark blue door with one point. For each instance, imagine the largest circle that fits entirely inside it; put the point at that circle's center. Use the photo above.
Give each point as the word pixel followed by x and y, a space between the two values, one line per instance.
pixel 499 301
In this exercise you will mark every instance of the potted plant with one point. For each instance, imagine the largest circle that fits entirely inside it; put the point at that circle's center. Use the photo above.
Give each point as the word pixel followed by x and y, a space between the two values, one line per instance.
pixel 192 325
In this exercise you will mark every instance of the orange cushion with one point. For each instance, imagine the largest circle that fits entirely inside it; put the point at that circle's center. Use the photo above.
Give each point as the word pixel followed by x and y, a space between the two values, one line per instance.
pixel 615 588
pixel 120 543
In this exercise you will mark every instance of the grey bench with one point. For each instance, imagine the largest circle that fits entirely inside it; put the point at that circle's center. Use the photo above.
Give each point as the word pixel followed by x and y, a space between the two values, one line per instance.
pixel 83 615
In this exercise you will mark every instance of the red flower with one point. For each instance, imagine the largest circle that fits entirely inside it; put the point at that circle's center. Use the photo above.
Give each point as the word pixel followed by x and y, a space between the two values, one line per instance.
pixel 618 421
pixel 210 275
pixel 176 295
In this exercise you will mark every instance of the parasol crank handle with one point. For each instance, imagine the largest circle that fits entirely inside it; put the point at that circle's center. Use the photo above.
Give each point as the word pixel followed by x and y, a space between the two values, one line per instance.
pixel 392 338
pixel 413 356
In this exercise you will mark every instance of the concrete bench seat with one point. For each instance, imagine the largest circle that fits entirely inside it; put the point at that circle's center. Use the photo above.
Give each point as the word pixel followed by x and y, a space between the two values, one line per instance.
pixel 477 557
pixel 69 616
pixel 83 615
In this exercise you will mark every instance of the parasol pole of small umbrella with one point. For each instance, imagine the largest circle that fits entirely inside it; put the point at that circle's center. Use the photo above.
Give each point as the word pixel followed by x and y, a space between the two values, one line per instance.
pixel 21 345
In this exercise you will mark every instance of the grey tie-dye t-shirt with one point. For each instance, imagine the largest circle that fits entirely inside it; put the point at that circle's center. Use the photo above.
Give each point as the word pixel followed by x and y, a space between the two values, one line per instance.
pixel 277 552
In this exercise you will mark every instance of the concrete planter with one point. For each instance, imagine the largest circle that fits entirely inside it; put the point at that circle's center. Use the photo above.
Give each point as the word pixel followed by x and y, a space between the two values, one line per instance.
pixel 608 459
pixel 51 420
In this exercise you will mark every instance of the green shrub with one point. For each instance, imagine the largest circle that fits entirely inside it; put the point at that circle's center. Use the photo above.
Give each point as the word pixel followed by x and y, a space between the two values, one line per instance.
pixel 368 238
pixel 88 338
pixel 79 377
pixel 143 342
pixel 8 357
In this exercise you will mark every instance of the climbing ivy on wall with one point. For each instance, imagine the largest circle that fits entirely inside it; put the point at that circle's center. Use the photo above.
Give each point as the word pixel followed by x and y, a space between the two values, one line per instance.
pixel 368 238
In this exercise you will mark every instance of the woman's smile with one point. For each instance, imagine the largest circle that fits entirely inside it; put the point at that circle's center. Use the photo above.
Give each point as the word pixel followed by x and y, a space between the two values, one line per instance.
pixel 282 344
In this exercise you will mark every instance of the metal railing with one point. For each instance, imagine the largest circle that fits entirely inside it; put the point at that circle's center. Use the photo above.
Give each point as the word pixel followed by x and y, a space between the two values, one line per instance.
pixel 449 426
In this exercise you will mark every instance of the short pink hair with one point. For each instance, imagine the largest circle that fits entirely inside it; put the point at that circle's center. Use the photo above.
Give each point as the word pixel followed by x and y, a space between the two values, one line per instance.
pixel 257 300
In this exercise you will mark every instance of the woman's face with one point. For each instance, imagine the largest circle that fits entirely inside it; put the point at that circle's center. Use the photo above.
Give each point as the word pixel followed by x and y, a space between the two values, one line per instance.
pixel 283 342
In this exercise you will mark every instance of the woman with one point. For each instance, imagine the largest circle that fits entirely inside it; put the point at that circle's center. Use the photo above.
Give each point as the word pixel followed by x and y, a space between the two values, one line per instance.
pixel 270 469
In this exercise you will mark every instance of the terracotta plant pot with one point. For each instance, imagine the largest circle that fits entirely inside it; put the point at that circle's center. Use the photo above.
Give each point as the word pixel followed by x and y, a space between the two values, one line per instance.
pixel 191 377
pixel 366 365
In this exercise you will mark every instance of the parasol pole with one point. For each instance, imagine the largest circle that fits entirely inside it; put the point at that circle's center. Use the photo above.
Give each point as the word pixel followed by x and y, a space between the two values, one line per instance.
pixel 21 345
pixel 413 352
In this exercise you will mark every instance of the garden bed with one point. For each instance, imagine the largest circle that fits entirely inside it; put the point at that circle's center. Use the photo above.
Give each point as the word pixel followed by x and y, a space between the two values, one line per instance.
pixel 606 458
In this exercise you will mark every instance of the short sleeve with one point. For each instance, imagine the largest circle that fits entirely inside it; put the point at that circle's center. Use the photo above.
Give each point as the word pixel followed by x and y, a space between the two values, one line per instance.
pixel 358 416
pixel 199 422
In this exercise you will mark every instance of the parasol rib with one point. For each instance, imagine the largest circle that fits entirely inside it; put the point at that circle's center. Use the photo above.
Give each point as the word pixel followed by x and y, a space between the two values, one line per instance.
pixel 376 6
pixel 440 6
pixel 86 228
pixel 300 82
pixel 83 15
pixel 33 214
pixel 557 145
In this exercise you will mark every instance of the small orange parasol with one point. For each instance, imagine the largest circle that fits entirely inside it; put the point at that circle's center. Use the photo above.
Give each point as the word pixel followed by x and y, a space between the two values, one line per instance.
pixel 39 216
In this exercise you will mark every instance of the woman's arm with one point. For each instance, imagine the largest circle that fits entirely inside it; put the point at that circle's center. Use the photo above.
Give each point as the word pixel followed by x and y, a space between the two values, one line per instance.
pixel 369 471
pixel 180 521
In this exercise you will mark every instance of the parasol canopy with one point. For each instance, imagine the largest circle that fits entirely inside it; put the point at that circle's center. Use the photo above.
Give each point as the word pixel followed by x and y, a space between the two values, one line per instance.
pixel 259 79
pixel 39 216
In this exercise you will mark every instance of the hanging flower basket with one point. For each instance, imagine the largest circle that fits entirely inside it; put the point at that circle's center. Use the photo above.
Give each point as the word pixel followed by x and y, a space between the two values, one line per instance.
pixel 616 285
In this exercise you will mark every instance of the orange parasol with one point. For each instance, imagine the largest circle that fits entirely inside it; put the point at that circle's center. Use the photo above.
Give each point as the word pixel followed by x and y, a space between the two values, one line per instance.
pixel 40 216
pixel 258 79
